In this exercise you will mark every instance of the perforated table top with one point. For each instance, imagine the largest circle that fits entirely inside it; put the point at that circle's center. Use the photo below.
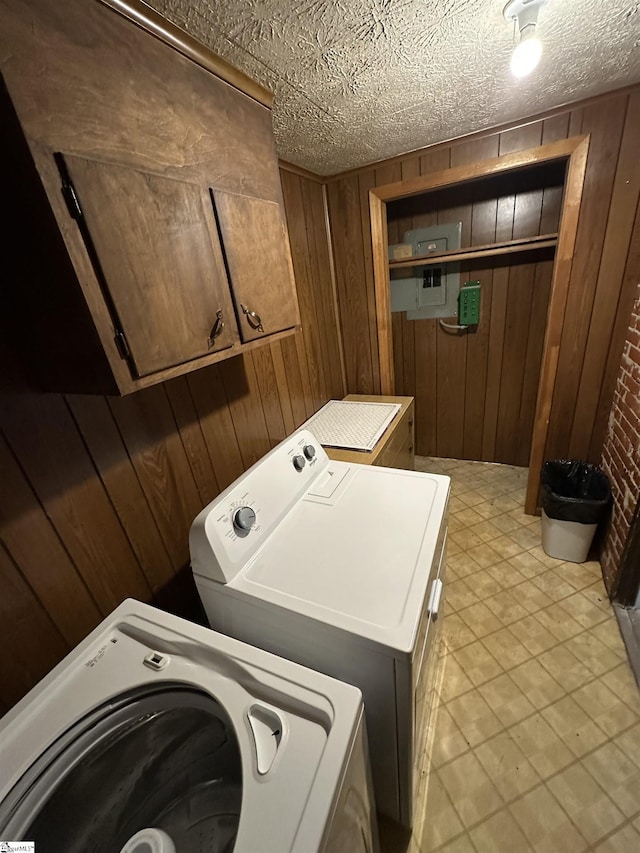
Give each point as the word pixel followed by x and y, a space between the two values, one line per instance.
pixel 350 424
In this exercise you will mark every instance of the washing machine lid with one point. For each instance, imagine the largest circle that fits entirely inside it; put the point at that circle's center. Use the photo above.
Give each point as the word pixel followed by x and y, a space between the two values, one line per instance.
pixel 124 716
pixel 359 559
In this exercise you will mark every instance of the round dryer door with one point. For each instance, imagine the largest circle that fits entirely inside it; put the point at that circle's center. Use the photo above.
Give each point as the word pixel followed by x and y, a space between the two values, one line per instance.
pixel 165 760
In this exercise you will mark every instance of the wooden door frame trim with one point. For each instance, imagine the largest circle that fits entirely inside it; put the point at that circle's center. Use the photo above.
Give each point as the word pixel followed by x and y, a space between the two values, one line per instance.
pixel 574 150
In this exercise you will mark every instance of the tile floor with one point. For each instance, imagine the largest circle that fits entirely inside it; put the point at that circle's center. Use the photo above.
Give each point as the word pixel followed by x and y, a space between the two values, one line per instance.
pixel 536 744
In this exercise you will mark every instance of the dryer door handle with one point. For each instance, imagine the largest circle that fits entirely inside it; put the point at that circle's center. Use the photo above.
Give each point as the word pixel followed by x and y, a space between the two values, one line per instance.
pixel 435 595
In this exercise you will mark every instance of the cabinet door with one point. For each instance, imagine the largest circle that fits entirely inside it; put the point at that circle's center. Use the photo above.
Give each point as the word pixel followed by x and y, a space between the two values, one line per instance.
pixel 155 247
pixel 256 248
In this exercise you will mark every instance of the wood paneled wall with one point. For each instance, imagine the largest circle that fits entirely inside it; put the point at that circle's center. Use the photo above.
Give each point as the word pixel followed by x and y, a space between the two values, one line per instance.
pixel 476 390
pixel 97 494
pixel 605 269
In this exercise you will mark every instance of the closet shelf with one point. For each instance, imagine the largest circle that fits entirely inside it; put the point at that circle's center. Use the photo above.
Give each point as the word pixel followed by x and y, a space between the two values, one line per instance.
pixel 506 247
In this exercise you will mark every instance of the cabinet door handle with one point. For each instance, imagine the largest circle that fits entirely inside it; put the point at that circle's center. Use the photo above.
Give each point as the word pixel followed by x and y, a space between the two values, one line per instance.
pixel 218 326
pixel 253 319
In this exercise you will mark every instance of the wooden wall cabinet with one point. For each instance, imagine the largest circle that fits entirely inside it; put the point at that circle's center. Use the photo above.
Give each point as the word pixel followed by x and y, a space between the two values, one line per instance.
pixel 152 191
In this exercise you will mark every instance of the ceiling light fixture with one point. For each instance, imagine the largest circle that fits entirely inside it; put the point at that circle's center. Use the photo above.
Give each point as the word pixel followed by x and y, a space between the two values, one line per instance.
pixel 527 52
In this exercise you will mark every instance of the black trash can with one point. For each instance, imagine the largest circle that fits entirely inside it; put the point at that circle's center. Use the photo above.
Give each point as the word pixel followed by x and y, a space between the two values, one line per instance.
pixel 575 497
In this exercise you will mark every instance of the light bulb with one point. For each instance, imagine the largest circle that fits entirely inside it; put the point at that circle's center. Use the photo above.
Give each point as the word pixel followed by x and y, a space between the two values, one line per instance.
pixel 526 56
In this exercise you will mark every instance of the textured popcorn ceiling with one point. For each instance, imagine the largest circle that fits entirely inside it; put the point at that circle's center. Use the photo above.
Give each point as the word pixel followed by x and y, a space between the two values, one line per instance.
pixel 361 80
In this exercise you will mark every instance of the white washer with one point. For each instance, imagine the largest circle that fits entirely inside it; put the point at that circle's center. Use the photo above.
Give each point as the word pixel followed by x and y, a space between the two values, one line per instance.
pixel 157 735
pixel 339 567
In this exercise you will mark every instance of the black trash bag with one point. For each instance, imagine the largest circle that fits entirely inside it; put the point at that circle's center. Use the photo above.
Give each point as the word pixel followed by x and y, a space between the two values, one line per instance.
pixel 575 491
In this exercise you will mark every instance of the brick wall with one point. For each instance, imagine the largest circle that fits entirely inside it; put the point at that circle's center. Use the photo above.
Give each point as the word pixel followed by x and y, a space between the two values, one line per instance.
pixel 621 451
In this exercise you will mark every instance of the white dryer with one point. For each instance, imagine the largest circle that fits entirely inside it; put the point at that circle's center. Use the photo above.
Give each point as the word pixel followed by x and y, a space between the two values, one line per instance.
pixel 156 735
pixel 339 567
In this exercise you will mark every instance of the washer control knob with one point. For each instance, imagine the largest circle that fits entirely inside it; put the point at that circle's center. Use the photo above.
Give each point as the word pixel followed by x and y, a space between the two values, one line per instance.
pixel 299 462
pixel 243 520
pixel 309 451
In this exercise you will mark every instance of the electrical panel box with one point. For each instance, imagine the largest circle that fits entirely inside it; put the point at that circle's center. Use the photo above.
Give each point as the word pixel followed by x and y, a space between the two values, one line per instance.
pixel 430 290
pixel 469 304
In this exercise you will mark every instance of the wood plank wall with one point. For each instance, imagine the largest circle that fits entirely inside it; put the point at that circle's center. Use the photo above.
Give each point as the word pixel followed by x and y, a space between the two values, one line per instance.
pixel 476 390
pixel 97 494
pixel 600 292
